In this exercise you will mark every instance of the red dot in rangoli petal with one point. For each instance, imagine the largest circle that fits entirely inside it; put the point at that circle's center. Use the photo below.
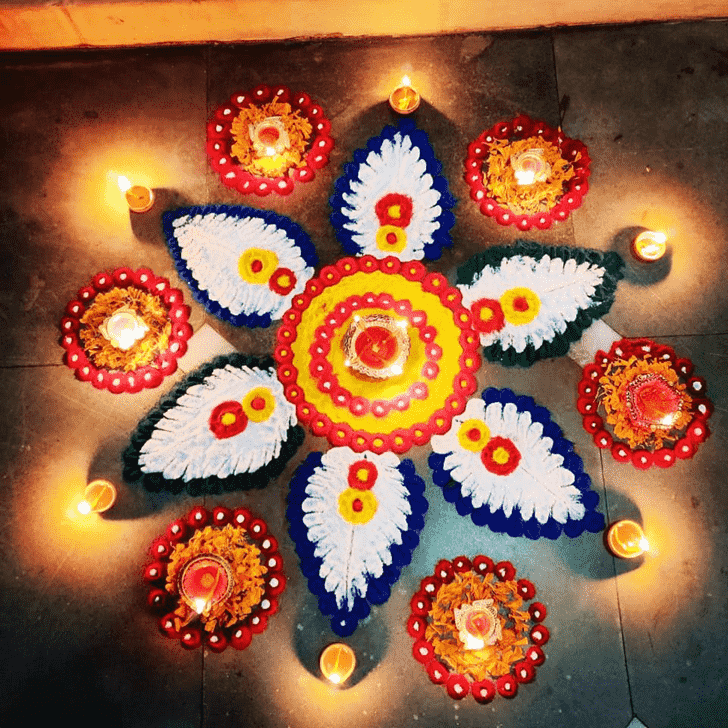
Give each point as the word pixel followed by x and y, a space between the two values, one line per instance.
pixel 256 266
pixel 520 304
pixel 258 403
pixel 357 505
pixel 391 238
pixel 474 434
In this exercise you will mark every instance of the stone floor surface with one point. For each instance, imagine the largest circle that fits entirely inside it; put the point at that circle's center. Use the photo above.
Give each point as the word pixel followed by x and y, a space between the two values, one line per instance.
pixel 647 644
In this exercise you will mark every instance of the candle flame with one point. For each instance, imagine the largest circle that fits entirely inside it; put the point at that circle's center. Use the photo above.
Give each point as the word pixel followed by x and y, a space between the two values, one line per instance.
pixel 659 237
pixel 200 605
pixel 335 678
pixel 123 183
pixel 406 81
pixel 270 152
pixel 84 508
pixel 644 544
pixel 525 176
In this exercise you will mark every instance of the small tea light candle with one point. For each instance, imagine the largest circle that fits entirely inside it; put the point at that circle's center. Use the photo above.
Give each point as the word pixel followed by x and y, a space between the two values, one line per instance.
pixel 337 663
pixel 123 328
pixel 404 99
pixel 530 167
pixel 205 580
pixel 138 197
pixel 649 246
pixel 98 497
pixel 626 539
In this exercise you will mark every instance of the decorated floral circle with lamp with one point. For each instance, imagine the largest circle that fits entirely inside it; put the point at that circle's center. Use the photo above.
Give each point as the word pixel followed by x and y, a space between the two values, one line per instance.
pixel 215 578
pixel 377 354
pixel 125 330
pixel 525 173
pixel 267 139
pixel 473 632
pixel 644 404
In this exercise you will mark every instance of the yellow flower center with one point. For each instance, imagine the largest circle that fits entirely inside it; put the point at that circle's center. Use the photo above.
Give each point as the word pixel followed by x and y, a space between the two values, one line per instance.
pixel 501 456
pixel 228 418
pixel 257 265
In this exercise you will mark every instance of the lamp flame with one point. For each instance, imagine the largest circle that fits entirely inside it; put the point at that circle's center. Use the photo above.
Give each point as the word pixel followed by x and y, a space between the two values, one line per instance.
pixel 123 183
pixel 84 508
pixel 406 81
pixel 200 605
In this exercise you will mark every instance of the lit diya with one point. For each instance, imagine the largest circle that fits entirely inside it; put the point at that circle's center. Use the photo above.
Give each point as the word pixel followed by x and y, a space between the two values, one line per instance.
pixel 652 402
pixel 473 632
pixel 530 167
pixel 627 540
pixel 655 407
pixel 526 173
pixel 377 346
pixel 125 330
pixel 215 579
pixel 478 624
pixel 377 354
pixel 267 139
pixel 205 581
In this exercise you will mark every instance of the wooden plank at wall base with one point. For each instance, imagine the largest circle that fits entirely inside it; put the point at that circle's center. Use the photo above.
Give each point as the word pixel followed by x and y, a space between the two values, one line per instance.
pixel 31 27
pixel 110 24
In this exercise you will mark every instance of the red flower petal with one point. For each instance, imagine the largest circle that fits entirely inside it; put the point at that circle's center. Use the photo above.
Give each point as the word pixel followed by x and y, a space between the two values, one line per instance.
pixel 507 686
pixel 416 626
pixel 420 605
pixel 457 686
pixel 526 589
pixel 483 691
pixel 540 634
pixel 423 651
pixel 505 571
pixel 437 672
pixel 483 565
pixel 524 671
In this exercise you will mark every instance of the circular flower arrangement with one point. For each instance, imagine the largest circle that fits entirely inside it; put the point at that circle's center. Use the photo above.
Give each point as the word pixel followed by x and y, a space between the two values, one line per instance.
pixel 125 330
pixel 525 173
pixel 655 407
pixel 411 401
pixel 267 139
pixel 216 578
pixel 472 631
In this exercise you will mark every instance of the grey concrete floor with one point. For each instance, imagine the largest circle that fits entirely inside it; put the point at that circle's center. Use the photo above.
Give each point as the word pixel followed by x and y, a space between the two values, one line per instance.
pixel 78 643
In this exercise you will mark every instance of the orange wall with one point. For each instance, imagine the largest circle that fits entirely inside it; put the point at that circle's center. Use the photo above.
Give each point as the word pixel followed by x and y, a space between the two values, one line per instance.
pixel 36 25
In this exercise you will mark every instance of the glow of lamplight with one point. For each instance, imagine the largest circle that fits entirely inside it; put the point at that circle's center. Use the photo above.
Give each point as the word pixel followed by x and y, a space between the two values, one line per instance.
pixel 627 540
pixel 649 246
pixel 404 99
pixel 98 497
pixel 200 605
pixel 138 197
pixel 525 176
pixel 337 663
pixel 123 328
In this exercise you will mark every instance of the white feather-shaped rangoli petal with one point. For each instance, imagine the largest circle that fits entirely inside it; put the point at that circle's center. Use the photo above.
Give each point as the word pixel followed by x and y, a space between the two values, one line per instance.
pixel 182 445
pixel 562 286
pixel 352 553
pixel 397 168
pixel 211 245
pixel 539 487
